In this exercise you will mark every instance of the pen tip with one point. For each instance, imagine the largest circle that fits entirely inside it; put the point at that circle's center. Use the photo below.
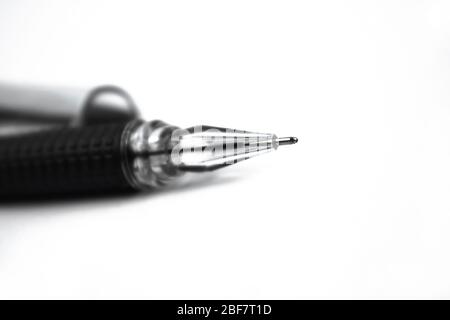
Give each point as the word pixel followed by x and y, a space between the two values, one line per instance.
pixel 287 141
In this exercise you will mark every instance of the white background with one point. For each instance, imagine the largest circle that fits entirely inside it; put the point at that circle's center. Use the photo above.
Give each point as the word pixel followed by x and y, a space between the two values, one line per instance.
pixel 359 209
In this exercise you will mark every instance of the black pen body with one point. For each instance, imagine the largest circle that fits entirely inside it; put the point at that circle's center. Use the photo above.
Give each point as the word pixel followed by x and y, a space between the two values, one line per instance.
pixel 85 160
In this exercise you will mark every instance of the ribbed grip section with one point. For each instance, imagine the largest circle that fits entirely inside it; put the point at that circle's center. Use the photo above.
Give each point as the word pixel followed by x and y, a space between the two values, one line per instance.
pixel 81 160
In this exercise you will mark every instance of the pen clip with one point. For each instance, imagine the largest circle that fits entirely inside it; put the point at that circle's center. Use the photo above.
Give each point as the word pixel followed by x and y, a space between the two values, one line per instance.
pixel 26 109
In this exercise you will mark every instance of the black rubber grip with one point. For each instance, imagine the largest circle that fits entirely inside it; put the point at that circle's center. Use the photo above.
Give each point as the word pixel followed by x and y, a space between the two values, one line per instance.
pixel 64 161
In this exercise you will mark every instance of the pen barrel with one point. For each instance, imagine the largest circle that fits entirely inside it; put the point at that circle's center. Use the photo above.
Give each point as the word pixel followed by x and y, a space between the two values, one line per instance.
pixel 70 160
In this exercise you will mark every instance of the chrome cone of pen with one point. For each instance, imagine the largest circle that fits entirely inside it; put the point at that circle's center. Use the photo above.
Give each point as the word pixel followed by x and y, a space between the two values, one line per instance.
pixel 206 148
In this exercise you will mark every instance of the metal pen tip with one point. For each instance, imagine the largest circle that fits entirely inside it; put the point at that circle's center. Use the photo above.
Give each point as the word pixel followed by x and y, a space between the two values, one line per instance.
pixel 287 141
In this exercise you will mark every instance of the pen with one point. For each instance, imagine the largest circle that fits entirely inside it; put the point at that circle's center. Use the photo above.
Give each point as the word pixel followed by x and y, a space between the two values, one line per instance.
pixel 125 155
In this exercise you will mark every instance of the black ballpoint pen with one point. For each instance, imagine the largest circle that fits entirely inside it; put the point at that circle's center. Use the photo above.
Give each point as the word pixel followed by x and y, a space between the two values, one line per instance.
pixel 123 155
